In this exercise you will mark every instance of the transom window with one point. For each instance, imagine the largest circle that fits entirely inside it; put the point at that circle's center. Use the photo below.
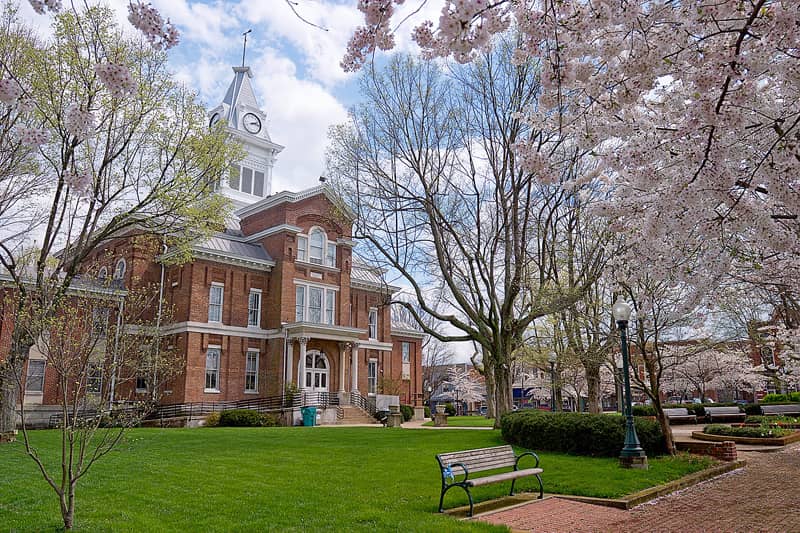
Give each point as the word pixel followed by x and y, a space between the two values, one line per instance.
pixel 251 371
pixel 212 370
pixel 315 248
pixel 246 180
pixel 34 378
pixel 254 308
pixel 215 296
pixel 315 304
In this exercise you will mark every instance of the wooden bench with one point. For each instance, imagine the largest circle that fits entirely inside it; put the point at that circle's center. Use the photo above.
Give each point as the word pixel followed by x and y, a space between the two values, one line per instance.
pixel 680 414
pixel 789 409
pixel 715 414
pixel 456 464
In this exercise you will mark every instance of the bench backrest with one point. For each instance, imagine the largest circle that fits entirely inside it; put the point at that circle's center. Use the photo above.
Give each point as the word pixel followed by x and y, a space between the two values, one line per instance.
pixel 722 410
pixel 777 409
pixel 677 411
pixel 480 459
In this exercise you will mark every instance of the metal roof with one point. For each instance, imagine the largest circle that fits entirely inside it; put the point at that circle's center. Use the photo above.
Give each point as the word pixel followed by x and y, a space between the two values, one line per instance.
pixel 224 245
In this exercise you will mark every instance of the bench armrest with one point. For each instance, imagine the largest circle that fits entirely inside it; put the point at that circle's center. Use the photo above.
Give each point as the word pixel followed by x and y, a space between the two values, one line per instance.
pixel 448 469
pixel 523 454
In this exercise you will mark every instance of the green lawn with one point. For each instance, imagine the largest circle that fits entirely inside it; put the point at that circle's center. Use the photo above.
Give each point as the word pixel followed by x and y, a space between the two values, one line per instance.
pixel 467 422
pixel 252 479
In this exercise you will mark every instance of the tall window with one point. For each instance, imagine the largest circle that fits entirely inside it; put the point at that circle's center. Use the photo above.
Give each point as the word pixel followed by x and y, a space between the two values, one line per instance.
pixel 372 376
pixel 212 370
pixel 254 308
pixel 141 383
pixel 316 249
pixel 34 377
pixel 215 296
pixel 315 304
pixel 119 269
pixel 246 180
pixel 94 378
pixel 251 372
pixel 100 321
pixel 373 323
pixel 300 303
pixel 316 241
pixel 406 350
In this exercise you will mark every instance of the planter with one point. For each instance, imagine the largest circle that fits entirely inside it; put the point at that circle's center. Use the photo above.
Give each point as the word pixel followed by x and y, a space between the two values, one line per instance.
pixel 394 408
pixel 441 409
pixel 765 441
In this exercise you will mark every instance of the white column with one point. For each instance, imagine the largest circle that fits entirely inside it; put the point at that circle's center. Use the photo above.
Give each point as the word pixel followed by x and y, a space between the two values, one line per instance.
pixel 290 362
pixel 302 377
pixel 343 346
pixel 354 367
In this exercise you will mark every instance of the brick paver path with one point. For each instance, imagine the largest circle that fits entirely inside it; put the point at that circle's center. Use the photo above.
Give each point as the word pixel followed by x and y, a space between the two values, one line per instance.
pixel 763 496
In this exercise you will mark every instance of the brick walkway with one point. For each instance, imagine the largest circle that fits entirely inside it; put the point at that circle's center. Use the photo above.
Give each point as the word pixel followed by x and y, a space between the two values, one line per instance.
pixel 762 497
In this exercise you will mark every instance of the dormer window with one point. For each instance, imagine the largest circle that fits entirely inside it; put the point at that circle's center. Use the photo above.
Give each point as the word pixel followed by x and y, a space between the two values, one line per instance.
pixel 316 249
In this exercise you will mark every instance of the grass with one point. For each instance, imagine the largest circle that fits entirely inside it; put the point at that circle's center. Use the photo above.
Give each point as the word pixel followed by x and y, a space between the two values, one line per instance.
pixel 287 479
pixel 467 422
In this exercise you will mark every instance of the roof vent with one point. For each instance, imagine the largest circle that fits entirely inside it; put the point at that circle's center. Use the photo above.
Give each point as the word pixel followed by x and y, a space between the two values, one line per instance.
pixel 323 179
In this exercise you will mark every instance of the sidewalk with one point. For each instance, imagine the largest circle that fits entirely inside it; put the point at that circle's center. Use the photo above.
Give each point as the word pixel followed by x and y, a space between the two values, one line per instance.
pixel 763 496
pixel 417 424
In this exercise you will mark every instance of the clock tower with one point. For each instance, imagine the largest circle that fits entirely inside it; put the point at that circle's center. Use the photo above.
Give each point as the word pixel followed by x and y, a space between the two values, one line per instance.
pixel 251 179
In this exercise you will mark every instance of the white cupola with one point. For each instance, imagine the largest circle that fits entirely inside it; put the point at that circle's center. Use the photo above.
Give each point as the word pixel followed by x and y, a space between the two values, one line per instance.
pixel 251 179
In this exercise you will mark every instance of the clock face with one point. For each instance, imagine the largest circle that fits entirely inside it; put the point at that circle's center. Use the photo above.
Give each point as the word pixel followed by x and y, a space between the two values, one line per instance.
pixel 214 119
pixel 251 123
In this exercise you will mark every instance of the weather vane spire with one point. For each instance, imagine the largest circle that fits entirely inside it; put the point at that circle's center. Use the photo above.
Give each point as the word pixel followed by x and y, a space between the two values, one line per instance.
pixel 244 48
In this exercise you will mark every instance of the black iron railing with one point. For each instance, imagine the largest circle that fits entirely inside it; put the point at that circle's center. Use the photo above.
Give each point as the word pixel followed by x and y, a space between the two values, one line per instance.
pixel 366 404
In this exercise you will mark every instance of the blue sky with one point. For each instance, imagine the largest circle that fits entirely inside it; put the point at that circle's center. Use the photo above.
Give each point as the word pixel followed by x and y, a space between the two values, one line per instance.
pixel 296 70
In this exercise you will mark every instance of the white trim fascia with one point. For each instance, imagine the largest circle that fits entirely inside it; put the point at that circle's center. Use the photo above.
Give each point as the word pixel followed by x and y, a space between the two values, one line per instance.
pixel 298 281
pixel 368 286
pixel 214 346
pixel 350 243
pixel 293 197
pixel 232 259
pixel 221 329
pixel 271 231
pixel 319 266
pixel 375 345
pixel 323 331
pixel 404 332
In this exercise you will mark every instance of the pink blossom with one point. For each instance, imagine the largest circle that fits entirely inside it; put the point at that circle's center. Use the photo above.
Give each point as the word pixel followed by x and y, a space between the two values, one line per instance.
pixel 10 91
pixel 79 123
pixel 116 77
pixel 33 137
pixel 79 181
pixel 148 20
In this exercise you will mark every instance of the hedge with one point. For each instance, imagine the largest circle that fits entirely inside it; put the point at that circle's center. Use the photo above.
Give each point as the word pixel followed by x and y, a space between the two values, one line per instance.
pixel 246 418
pixel 408 412
pixel 578 433
pixel 792 397
pixel 759 432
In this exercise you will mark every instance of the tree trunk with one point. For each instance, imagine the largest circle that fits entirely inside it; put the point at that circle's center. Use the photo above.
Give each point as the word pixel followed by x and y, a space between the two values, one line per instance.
pixel 593 386
pixel 491 387
pixel 663 421
pixel 10 370
pixel 503 395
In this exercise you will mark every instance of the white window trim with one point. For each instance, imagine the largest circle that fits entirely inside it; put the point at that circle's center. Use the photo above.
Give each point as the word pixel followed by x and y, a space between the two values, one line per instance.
pixel 324 302
pixel 258 316
pixel 258 356
pixel 377 373
pixel 221 302
pixel 219 363
pixel 27 375
pixel 369 325
pixel 325 242
pixel 120 261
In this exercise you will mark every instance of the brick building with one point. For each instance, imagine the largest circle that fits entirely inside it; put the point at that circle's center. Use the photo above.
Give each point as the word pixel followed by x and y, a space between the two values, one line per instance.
pixel 276 300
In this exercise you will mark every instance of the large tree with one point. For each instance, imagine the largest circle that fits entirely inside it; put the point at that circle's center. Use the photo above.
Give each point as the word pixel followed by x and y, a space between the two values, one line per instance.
pixel 428 163
pixel 125 150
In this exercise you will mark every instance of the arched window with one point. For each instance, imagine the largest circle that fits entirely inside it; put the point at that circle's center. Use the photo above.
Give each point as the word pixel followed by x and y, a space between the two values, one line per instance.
pixel 119 269
pixel 102 274
pixel 316 243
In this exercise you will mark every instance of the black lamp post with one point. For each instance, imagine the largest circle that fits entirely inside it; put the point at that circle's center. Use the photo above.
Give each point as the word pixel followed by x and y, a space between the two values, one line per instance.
pixel 632 454
pixel 618 380
pixel 552 360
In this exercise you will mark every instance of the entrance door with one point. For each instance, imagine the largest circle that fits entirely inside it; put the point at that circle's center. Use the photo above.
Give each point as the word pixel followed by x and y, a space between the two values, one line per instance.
pixel 316 378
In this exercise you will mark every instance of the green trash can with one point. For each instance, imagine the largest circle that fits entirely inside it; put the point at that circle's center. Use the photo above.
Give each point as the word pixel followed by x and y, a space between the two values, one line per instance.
pixel 309 416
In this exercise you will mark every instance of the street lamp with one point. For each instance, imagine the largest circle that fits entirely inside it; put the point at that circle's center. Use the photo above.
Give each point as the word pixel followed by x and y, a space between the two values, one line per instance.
pixel 632 454
pixel 552 360
pixel 618 381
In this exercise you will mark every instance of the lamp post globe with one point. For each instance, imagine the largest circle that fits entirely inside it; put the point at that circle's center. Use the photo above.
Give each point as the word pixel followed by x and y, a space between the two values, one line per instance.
pixel 632 454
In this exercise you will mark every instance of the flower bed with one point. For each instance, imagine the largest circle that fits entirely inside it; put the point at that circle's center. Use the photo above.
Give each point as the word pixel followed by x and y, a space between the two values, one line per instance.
pixel 743 434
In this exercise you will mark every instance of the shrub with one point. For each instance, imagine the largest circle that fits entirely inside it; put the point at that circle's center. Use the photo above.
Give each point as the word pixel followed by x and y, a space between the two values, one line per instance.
pixel 578 433
pixel 752 409
pixel 449 409
pixel 427 412
pixel 643 410
pixel 212 420
pixel 246 418
pixel 792 397
pixel 772 419
pixel 759 432
pixel 408 412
